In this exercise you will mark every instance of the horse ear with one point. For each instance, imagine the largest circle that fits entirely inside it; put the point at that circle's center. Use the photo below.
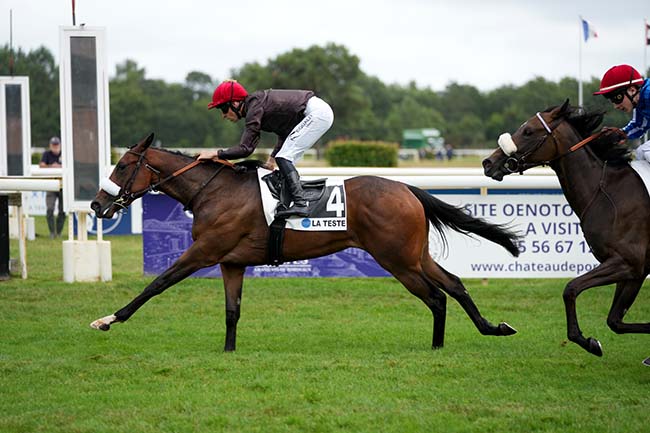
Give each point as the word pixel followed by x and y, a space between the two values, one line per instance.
pixel 562 110
pixel 148 141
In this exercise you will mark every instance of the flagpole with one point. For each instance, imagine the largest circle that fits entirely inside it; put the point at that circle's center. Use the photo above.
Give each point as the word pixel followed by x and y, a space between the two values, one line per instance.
pixel 645 47
pixel 580 63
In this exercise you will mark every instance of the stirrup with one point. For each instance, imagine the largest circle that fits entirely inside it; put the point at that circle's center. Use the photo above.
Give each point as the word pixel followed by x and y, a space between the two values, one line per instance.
pixel 294 210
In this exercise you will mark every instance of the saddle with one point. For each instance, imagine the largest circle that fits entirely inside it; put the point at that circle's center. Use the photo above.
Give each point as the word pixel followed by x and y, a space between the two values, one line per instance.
pixel 313 189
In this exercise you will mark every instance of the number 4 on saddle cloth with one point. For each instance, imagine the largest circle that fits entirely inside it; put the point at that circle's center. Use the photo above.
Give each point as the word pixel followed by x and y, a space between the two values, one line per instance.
pixel 327 209
pixel 326 198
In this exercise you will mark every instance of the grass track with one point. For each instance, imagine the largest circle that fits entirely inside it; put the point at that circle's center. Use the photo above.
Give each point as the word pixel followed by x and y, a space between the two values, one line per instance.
pixel 314 355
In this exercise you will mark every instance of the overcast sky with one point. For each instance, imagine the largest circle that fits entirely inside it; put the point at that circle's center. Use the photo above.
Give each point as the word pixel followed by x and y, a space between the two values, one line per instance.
pixel 483 43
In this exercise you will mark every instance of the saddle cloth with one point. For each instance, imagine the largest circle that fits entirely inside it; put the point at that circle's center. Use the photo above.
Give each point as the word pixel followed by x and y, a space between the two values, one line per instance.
pixel 327 205
pixel 642 167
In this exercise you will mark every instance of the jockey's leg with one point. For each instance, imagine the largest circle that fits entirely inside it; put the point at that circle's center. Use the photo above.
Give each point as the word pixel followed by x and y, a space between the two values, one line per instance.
pixel 643 152
pixel 318 119
pixel 292 182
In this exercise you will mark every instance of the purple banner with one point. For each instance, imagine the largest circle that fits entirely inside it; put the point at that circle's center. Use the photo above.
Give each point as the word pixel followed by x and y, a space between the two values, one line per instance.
pixel 167 233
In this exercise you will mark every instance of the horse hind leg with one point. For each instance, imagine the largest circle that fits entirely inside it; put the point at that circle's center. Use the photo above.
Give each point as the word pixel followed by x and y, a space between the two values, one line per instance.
pixel 624 297
pixel 453 286
pixel 626 293
pixel 434 298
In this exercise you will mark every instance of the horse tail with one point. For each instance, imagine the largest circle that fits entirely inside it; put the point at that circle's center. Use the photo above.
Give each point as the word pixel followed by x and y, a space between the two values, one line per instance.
pixel 442 215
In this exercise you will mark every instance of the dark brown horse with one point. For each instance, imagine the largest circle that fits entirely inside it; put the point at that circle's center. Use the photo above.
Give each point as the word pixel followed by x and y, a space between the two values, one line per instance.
pixel 388 219
pixel 605 193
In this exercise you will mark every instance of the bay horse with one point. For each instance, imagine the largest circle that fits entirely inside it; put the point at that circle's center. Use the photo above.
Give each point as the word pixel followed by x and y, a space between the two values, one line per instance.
pixel 388 219
pixel 606 194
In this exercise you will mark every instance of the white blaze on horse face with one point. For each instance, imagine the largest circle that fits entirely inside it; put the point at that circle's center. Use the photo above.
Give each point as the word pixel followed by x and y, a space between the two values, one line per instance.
pixel 506 144
pixel 109 186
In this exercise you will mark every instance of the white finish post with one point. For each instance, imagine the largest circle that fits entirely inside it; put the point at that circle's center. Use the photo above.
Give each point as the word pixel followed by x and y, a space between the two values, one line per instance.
pixel 85 133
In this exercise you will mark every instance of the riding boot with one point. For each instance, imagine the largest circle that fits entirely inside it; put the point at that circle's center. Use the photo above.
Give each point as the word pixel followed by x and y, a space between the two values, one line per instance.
pixel 292 183
pixel 60 222
pixel 51 224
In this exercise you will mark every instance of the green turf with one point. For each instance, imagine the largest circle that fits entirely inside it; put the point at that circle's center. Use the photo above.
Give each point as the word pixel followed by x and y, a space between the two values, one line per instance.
pixel 314 355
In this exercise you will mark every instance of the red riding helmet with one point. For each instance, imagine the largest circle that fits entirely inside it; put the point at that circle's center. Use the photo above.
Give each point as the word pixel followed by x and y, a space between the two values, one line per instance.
pixel 228 91
pixel 618 77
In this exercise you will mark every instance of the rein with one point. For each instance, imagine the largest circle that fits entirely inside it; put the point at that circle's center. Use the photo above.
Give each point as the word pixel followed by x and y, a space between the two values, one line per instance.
pixel 516 164
pixel 585 141
pixel 127 196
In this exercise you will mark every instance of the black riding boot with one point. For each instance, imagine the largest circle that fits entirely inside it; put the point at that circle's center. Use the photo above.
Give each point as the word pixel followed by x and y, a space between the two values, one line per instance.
pixel 292 182
pixel 51 225
pixel 60 222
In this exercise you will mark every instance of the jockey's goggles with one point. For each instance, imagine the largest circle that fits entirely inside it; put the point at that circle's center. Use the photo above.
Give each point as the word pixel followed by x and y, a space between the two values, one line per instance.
pixel 224 107
pixel 616 97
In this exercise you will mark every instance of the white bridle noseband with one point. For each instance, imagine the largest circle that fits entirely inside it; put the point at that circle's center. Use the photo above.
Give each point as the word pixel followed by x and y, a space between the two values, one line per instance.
pixel 110 187
pixel 507 144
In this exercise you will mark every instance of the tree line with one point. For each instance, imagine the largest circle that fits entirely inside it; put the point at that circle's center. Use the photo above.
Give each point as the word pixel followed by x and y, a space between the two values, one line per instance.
pixel 365 108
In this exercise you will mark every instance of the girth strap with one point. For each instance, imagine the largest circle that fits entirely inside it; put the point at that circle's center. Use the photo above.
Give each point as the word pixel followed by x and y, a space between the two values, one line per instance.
pixel 276 241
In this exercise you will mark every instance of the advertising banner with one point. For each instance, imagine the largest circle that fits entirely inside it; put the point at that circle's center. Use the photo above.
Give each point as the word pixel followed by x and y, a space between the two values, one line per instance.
pixel 552 245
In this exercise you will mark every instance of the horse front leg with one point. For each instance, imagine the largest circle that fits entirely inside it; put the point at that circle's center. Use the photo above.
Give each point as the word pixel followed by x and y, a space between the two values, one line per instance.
pixel 233 279
pixel 608 272
pixel 188 263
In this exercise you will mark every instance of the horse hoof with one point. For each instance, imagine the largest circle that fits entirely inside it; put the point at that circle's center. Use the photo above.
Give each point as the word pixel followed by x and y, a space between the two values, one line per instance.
pixel 506 329
pixel 594 347
pixel 646 362
pixel 103 324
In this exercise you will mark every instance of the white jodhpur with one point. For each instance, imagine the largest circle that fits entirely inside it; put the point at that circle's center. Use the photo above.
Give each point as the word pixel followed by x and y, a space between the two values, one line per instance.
pixel 318 119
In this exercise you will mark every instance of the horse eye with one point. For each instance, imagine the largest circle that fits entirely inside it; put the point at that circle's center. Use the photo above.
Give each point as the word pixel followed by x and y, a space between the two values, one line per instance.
pixel 120 166
pixel 528 132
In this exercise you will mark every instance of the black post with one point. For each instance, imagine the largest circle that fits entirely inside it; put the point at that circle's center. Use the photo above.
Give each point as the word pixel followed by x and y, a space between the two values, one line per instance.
pixel 4 237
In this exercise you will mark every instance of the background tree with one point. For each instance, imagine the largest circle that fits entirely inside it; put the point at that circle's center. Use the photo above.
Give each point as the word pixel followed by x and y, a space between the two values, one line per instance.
pixel 364 107
pixel 330 71
pixel 43 75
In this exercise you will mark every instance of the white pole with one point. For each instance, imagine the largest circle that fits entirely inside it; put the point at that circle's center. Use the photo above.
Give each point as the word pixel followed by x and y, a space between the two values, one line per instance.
pixel 100 229
pixel 645 47
pixel 580 64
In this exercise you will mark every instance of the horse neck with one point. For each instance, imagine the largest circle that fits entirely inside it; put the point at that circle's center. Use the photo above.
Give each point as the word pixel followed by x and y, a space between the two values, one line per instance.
pixel 579 173
pixel 182 187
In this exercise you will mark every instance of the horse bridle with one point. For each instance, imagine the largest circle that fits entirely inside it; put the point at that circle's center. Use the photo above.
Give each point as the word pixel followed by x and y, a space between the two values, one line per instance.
pixel 125 196
pixel 520 164
pixel 516 163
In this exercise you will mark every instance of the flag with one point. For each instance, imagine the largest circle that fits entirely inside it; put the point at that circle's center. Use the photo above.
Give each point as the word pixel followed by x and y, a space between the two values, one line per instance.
pixel 588 31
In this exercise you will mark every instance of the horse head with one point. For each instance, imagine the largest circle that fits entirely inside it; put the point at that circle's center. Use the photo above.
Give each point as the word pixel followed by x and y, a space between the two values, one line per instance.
pixel 538 141
pixel 127 182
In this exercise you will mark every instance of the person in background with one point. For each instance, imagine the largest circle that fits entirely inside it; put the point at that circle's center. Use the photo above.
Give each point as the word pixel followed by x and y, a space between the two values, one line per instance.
pixel 52 158
pixel 298 117
pixel 449 151
pixel 626 89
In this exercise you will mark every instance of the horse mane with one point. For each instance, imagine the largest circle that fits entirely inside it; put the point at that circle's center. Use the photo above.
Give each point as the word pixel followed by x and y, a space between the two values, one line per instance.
pixel 605 147
pixel 247 165
pixel 250 164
